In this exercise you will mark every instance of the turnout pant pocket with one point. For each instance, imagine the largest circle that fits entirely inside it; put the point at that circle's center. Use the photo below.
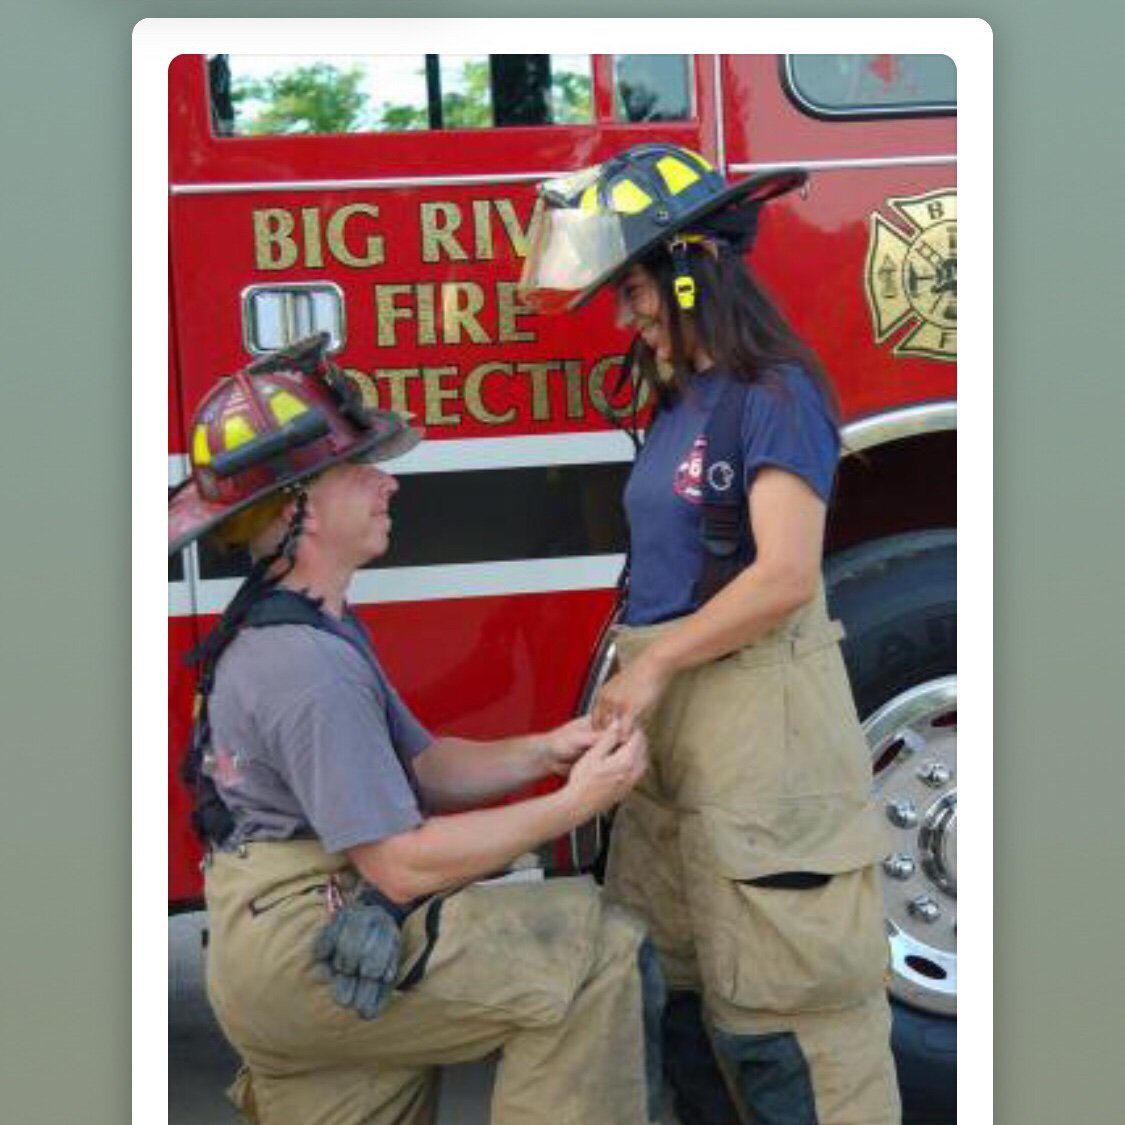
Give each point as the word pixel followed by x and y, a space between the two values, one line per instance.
pixel 783 945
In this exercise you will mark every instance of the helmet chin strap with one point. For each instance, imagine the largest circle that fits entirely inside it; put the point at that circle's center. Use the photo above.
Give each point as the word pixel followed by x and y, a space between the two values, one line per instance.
pixel 287 548
pixel 256 583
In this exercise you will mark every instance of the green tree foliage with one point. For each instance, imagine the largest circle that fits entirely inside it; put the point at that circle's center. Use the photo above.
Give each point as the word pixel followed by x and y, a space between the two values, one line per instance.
pixel 396 118
pixel 319 98
pixel 571 98
pixel 322 98
pixel 472 107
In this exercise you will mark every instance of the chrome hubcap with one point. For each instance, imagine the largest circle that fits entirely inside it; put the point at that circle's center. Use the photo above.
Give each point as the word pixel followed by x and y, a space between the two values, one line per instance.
pixel 913 741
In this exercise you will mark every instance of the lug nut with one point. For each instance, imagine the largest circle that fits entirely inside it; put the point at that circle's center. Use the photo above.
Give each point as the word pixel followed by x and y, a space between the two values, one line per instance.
pixel 899 866
pixel 925 908
pixel 935 774
pixel 902 814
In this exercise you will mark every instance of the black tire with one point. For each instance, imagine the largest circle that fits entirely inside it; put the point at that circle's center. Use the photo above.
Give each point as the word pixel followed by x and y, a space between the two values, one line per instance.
pixel 897 599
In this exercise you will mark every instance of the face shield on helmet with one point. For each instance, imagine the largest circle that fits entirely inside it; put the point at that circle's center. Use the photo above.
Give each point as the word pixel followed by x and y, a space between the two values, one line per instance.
pixel 570 249
pixel 573 242
pixel 589 226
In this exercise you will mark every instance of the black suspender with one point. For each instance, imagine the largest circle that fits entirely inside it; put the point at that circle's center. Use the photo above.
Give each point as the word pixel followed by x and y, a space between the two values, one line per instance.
pixel 272 606
pixel 288 607
pixel 725 529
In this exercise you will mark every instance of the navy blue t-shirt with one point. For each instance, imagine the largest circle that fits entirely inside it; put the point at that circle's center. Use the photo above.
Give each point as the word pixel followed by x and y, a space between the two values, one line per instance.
pixel 785 423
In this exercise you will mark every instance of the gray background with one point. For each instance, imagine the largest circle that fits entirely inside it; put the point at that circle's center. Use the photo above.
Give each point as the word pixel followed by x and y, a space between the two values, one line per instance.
pixel 65 799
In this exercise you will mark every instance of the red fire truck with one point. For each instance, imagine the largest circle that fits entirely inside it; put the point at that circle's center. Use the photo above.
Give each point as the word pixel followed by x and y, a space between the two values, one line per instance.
pixel 386 200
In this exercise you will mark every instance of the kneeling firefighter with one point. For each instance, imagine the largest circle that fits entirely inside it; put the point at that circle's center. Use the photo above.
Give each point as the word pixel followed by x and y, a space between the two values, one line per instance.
pixel 349 955
pixel 751 846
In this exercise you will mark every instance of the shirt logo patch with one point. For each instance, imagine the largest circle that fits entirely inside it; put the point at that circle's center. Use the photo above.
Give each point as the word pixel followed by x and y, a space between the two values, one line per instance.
pixel 720 476
pixel 225 766
pixel 689 476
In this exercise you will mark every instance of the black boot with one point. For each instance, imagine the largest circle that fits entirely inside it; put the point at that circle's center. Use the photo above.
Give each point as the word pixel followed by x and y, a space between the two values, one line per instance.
pixel 700 1095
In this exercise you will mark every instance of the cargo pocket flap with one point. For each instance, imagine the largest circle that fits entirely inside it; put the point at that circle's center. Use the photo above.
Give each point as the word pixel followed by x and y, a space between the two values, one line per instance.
pixel 826 833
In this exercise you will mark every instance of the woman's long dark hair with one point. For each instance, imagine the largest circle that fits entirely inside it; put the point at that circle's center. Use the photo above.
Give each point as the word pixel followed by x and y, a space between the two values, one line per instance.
pixel 734 321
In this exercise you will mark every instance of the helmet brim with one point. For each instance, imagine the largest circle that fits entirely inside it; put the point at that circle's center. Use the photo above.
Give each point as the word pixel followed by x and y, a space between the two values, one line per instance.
pixel 755 189
pixel 191 515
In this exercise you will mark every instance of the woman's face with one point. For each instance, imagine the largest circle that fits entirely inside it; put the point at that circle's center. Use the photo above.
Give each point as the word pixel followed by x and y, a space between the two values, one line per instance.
pixel 639 307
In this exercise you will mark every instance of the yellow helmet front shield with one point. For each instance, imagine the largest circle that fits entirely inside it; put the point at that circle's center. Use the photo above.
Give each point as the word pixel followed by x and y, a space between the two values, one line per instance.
pixel 569 249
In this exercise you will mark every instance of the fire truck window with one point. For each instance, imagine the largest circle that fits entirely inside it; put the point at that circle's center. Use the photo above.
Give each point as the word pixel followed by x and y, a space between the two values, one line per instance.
pixel 501 90
pixel 860 85
pixel 260 95
pixel 651 87
pixel 274 316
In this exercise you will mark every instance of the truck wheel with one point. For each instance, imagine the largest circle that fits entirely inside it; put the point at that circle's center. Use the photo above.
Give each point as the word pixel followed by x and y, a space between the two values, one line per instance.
pixel 897 599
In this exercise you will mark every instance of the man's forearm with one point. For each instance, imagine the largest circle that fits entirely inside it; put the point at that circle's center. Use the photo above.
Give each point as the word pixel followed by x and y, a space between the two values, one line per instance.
pixel 459 773
pixel 447 851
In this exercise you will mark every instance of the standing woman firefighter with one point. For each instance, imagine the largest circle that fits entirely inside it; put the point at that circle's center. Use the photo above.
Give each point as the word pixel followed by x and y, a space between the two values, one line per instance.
pixel 750 847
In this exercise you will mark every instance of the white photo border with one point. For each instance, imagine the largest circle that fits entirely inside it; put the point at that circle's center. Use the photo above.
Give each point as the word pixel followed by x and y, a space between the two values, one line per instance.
pixel 157 41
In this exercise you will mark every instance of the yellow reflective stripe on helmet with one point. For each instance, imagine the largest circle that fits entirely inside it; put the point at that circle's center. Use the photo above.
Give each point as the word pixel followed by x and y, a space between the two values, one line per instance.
pixel 628 199
pixel 704 163
pixel 200 447
pixel 677 175
pixel 589 201
pixel 286 406
pixel 236 431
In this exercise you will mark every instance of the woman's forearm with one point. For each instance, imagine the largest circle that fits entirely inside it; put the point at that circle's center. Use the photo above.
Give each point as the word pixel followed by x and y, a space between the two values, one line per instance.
pixel 753 603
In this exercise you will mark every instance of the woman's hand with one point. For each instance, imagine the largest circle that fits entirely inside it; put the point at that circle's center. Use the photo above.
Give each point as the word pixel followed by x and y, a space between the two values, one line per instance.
pixel 560 748
pixel 631 694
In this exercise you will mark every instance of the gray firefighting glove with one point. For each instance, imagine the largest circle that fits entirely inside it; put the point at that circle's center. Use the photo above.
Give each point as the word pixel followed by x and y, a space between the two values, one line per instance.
pixel 359 951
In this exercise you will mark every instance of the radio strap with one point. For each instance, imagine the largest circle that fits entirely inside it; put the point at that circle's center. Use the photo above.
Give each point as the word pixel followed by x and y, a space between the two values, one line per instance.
pixel 728 546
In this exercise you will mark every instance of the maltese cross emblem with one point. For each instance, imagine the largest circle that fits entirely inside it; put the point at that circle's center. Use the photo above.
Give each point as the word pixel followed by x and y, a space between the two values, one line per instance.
pixel 912 275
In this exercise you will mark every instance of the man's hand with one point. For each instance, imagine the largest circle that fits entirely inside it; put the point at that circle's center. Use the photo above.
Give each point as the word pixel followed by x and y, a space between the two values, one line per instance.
pixel 603 776
pixel 560 748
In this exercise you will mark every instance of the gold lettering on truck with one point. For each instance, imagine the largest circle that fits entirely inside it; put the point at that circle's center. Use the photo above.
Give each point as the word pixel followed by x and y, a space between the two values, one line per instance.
pixel 439 222
pixel 600 399
pixel 474 394
pixel 517 234
pixel 572 370
pixel 509 309
pixel 437 395
pixel 396 378
pixel 460 303
pixel 482 230
pixel 274 245
pixel 496 392
pixel 372 254
pixel 310 225
pixel 387 312
pixel 540 399
pixel 424 295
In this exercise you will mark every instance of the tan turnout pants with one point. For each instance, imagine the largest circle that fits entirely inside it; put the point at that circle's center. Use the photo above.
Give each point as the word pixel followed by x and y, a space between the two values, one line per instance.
pixel 759 767
pixel 546 974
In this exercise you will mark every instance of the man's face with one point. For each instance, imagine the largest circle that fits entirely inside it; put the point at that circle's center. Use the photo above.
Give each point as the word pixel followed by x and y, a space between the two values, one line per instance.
pixel 349 512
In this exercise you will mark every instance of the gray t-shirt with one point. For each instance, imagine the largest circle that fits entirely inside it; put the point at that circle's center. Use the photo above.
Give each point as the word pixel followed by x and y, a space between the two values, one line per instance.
pixel 304 732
